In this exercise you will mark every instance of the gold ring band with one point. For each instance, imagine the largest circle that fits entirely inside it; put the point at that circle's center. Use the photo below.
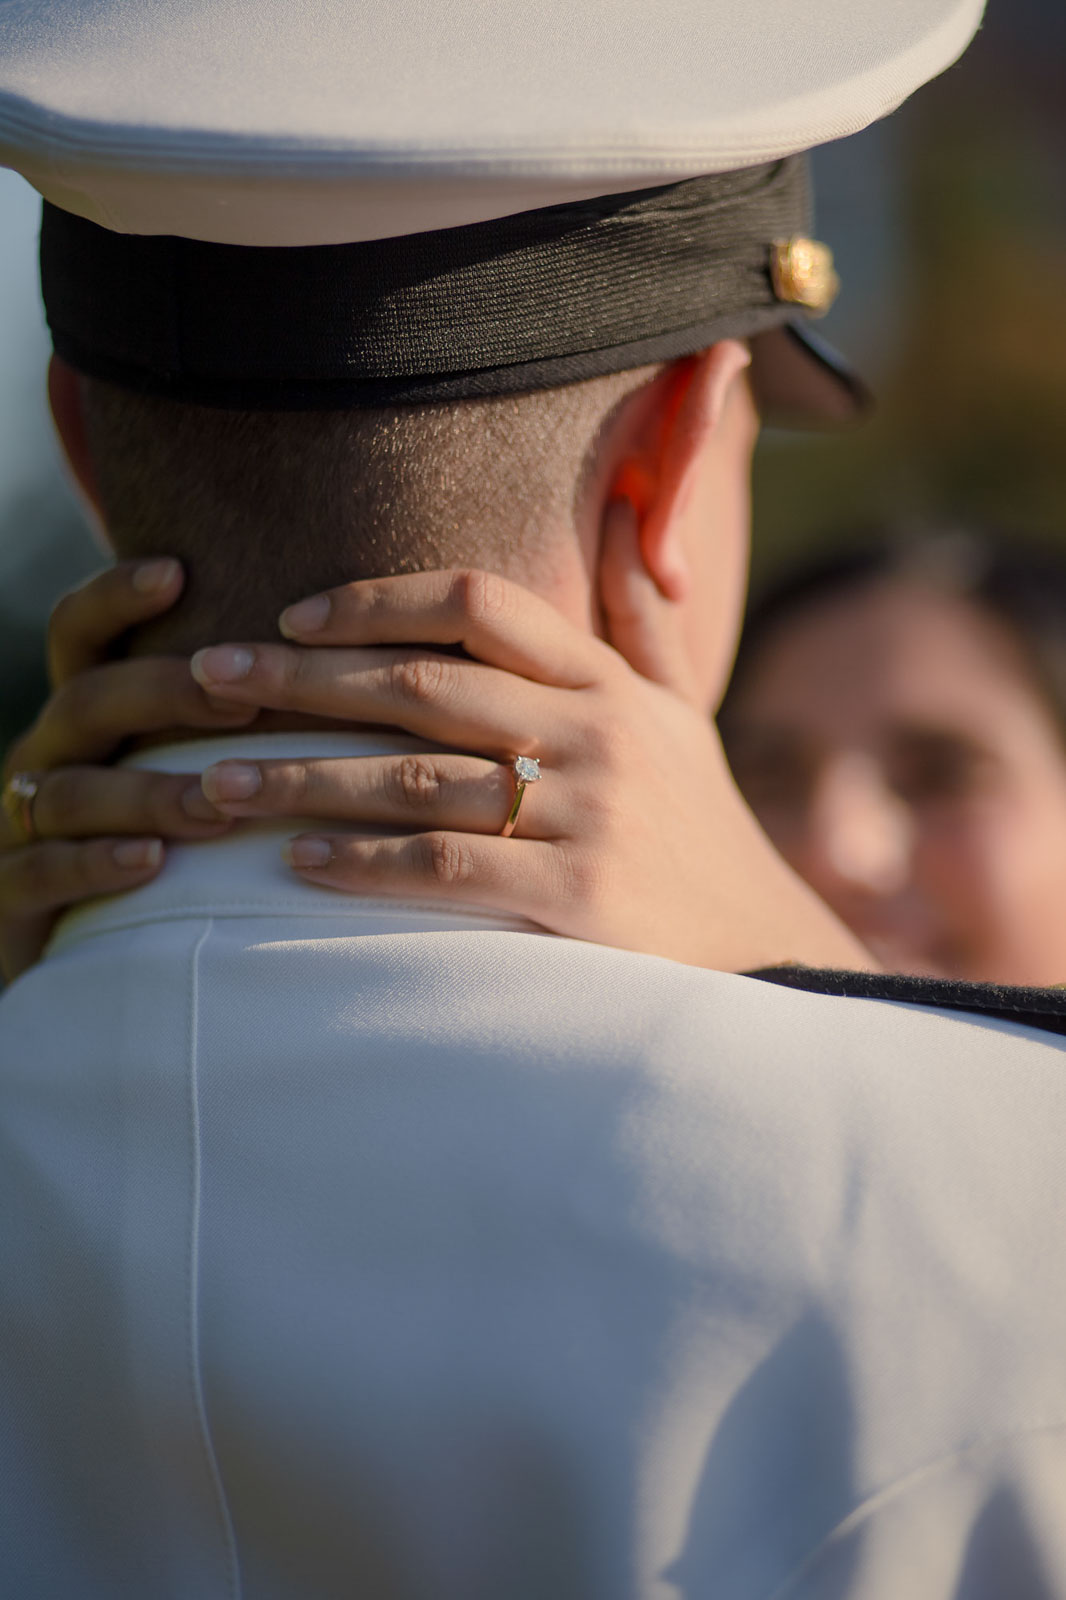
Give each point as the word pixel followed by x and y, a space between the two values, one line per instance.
pixel 20 791
pixel 526 770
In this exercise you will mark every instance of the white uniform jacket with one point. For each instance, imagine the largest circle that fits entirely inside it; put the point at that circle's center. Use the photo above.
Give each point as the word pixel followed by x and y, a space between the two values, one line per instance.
pixel 352 1248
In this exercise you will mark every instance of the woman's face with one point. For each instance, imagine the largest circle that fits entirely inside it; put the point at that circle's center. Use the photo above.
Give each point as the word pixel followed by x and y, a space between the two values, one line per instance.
pixel 896 748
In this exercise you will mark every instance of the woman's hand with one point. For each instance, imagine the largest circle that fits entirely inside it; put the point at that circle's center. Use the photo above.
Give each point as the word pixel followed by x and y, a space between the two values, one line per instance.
pixel 94 829
pixel 636 836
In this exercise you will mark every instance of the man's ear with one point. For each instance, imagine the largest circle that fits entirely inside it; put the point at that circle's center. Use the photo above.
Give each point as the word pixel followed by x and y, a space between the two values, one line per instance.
pixel 658 471
pixel 68 414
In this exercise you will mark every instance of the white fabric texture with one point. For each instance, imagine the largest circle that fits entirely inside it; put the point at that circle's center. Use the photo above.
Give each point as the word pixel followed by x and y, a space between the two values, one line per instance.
pixel 323 121
pixel 347 1250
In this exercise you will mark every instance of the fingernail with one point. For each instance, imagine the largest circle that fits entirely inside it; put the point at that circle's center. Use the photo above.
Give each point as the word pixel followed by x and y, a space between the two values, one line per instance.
pixel 152 576
pixel 138 853
pixel 231 780
pixel 195 804
pixel 307 616
pixel 222 663
pixel 308 852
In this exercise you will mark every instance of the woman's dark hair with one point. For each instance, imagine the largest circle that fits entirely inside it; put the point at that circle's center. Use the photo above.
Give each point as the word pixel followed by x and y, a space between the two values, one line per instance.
pixel 1014 579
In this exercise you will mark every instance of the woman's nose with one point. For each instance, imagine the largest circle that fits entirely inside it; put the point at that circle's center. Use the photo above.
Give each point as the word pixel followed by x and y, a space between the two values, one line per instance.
pixel 860 832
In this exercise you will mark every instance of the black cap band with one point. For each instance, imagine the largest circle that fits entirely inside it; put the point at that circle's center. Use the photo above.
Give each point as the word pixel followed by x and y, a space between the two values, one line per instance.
pixel 525 302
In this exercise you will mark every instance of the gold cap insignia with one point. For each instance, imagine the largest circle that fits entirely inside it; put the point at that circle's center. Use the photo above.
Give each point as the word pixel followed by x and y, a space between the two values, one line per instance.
pixel 802 273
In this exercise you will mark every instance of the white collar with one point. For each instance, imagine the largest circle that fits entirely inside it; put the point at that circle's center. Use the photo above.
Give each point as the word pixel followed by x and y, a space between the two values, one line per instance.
pixel 243 874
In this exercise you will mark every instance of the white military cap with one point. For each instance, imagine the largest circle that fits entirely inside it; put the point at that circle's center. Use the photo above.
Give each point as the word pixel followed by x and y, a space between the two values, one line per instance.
pixel 333 202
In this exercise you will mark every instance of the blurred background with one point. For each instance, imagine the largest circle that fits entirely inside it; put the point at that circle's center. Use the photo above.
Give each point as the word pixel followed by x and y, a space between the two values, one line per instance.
pixel 949 227
pixel 948 221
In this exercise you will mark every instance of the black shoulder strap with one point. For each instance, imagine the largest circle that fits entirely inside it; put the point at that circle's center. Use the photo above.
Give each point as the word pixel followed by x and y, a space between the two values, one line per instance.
pixel 1035 1008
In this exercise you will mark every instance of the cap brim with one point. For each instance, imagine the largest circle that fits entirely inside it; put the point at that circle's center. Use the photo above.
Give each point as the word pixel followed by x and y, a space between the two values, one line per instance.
pixel 800 381
pixel 264 122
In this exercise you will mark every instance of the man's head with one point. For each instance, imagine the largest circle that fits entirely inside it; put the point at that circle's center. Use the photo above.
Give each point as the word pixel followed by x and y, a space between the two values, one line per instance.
pixel 265 506
pixel 353 210
pixel 286 418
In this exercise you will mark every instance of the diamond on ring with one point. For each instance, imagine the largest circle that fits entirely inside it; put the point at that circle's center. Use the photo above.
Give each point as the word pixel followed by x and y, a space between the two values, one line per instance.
pixel 527 769
pixel 18 796
pixel 23 787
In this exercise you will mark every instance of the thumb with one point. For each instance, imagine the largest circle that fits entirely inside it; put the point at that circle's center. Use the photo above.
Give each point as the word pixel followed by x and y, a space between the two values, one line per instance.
pixel 642 624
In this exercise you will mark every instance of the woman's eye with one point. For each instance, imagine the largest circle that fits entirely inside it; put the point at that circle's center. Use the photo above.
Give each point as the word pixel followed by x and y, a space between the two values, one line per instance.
pixel 939 769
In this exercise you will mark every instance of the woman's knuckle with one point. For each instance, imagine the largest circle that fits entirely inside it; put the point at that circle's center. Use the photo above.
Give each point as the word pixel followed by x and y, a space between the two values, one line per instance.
pixel 295 670
pixel 420 680
pixel 296 783
pixel 292 787
pixel 483 597
pixel 416 782
pixel 450 860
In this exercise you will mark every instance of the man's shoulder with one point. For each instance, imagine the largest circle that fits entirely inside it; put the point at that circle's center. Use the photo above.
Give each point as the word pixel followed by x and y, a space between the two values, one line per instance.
pixel 822 1004
pixel 567 999
pixel 1043 1008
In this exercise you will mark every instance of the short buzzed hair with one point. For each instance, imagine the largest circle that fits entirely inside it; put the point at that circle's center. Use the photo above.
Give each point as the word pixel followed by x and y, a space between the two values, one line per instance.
pixel 264 507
